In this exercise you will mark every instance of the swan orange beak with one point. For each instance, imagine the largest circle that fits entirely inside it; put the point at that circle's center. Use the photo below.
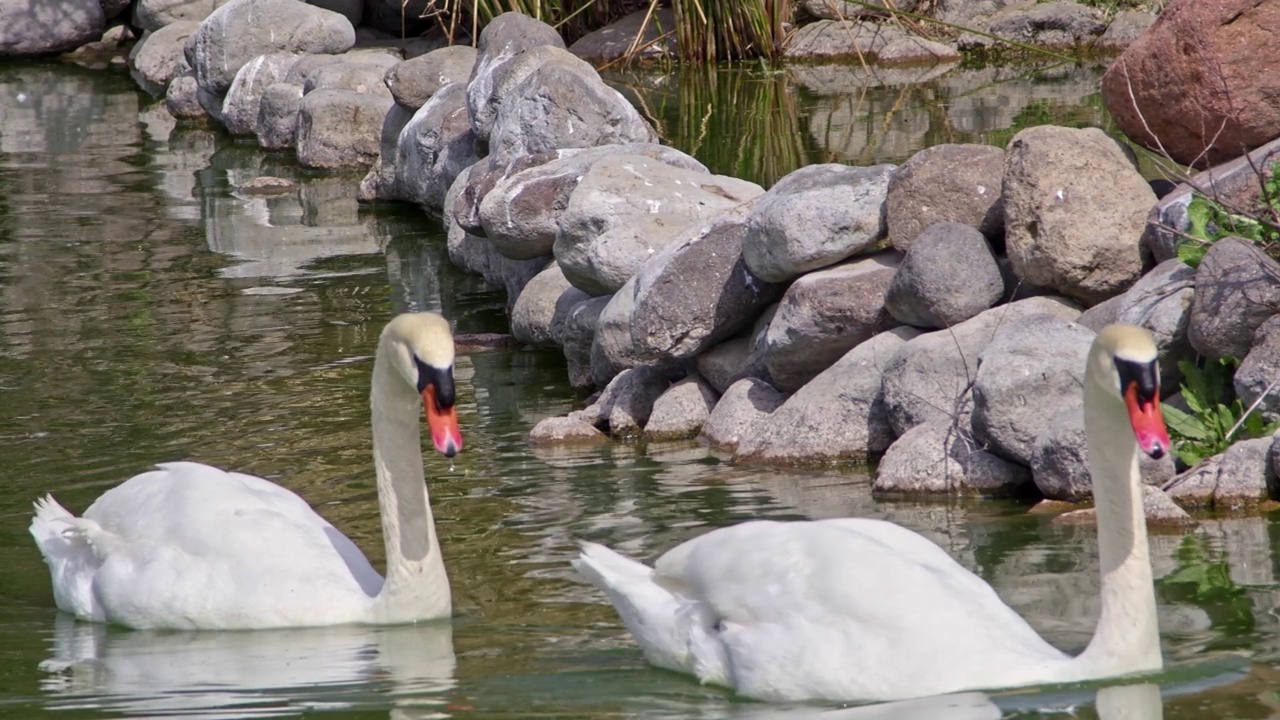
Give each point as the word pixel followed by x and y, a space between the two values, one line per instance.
pixel 1147 421
pixel 443 422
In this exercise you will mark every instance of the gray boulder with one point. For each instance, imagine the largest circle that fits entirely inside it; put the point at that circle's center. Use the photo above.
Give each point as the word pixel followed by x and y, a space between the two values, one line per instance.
pixel 412 82
pixel 619 188
pixel 382 182
pixel 941 457
pixel 522 208
pixel 813 217
pixel 362 74
pixel 1239 479
pixel 1060 460
pixel 627 401
pixel 563 104
pixel 682 410
pixel 642 35
pixel 832 39
pixel 502 40
pixel 158 57
pixel 611 348
pixel 1237 288
pixel 577 337
pixel 434 147
pixel 1052 24
pixel 826 313
pixel 547 296
pixel 241 106
pixel 1054 177
pixel 695 293
pixel 1160 301
pixel 241 30
pixel 1158 508
pixel 277 125
pixel 1125 27
pixel 946 183
pixel 49 26
pixel 1258 377
pixel 838 416
pixel 740 357
pixel 947 276
pixel 930 377
pixel 181 100
pixel 912 50
pixel 840 10
pixel 152 15
pixel 565 431
pixel 340 129
pixel 352 10
pixel 1032 369
pixel 741 412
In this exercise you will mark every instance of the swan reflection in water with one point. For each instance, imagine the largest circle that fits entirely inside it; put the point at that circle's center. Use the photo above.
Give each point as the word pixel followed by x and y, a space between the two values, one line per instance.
pixel 408 669
pixel 251 674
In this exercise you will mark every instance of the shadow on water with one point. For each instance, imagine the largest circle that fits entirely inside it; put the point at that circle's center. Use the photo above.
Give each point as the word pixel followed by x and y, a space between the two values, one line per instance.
pixel 150 312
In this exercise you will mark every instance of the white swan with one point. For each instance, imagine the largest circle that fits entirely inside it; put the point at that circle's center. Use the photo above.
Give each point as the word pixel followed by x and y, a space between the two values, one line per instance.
pixel 190 546
pixel 858 609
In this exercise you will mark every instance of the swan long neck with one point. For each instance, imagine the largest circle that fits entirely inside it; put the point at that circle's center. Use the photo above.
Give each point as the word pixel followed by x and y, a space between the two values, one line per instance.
pixel 416 585
pixel 1127 638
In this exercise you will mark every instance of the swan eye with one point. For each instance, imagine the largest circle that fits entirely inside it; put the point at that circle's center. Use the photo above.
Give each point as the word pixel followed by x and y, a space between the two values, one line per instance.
pixel 441 380
pixel 1142 376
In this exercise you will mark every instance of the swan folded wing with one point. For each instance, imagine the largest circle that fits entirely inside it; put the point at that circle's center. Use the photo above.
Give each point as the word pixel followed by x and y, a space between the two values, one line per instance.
pixel 846 609
pixel 200 547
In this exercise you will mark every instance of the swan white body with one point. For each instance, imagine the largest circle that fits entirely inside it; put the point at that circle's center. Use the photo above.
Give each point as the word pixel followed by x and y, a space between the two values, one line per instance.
pixel 188 546
pixel 863 610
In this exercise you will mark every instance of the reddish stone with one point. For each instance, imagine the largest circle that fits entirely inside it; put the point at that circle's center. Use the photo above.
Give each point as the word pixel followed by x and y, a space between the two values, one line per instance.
pixel 1201 84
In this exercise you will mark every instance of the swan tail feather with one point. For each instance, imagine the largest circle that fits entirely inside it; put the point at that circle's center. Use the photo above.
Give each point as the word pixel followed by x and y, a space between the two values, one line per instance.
pixel 73 549
pixel 674 631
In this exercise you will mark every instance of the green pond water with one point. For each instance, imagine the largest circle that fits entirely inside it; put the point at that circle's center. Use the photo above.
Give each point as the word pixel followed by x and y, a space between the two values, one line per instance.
pixel 148 313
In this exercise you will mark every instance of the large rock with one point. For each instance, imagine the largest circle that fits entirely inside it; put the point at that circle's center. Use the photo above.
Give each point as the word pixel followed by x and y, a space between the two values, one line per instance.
pixel 947 276
pixel 362 74
pixel 43 27
pixel 576 338
pixel 813 217
pixel 620 188
pixel 548 296
pixel 434 148
pixel 565 431
pixel 152 15
pixel 641 35
pixel 832 39
pixel 382 181
pixel 501 41
pixel 838 416
pixel 1060 460
pixel 1258 377
pixel 743 411
pixel 158 57
pixel 241 106
pixel 826 313
pixel 244 29
pixel 563 103
pixel 1239 479
pixel 521 208
pixel 840 10
pixel 1126 27
pixel 412 82
pixel 1237 289
pixel 181 100
pixel 941 457
pixel 1032 370
pixel 340 129
pixel 1075 209
pixel 277 125
pixel 682 410
pixel 1051 24
pixel 946 183
pixel 1161 302
pixel 626 402
pixel 695 293
pixel 739 357
pixel 930 377
pixel 1199 84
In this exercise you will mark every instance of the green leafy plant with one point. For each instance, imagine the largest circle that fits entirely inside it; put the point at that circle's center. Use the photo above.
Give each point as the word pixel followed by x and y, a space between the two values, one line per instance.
pixel 1210 221
pixel 1217 417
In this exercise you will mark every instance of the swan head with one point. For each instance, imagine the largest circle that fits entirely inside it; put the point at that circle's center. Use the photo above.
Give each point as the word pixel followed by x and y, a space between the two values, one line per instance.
pixel 420 347
pixel 1123 361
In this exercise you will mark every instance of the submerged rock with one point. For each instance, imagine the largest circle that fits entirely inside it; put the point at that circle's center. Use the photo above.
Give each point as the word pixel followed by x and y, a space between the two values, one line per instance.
pixel 682 410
